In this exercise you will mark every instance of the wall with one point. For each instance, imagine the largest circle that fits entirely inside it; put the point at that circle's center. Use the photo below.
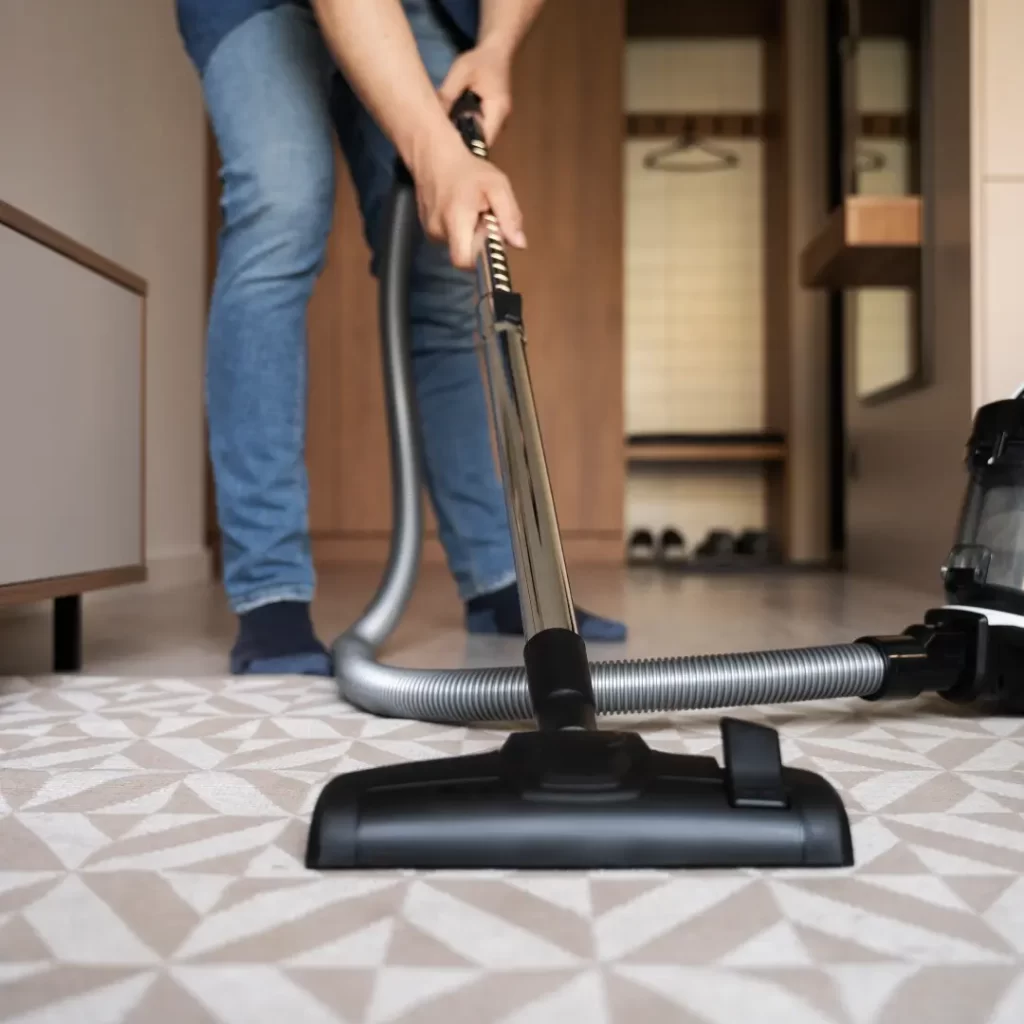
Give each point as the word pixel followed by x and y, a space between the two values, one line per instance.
pixel 103 138
pixel 904 494
pixel 998 194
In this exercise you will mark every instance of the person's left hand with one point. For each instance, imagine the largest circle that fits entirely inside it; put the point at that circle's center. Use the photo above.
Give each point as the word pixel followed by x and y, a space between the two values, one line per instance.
pixel 487 70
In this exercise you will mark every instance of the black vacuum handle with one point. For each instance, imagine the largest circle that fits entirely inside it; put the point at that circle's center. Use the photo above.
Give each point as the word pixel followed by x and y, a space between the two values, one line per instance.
pixel 466 114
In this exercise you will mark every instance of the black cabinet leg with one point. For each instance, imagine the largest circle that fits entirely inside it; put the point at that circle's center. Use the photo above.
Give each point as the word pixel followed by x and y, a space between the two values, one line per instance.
pixel 67 633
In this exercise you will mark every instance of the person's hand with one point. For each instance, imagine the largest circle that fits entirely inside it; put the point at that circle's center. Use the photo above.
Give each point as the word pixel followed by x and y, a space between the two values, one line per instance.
pixel 487 71
pixel 453 189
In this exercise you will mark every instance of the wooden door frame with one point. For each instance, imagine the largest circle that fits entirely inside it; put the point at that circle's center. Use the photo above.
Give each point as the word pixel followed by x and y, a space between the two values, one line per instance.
pixel 211 528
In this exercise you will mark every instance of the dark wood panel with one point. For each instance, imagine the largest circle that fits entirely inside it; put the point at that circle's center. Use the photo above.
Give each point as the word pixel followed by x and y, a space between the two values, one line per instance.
pixel 747 125
pixel 721 125
pixel 887 126
pixel 730 18
pixel 721 18
pixel 891 18
pixel 24 224
pixel 65 586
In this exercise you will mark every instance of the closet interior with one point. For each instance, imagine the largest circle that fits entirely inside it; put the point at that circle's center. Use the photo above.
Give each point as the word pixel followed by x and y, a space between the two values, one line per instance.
pixel 708 247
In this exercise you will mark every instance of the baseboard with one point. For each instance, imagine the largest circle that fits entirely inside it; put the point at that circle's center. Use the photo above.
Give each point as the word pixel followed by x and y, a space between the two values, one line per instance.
pixel 362 549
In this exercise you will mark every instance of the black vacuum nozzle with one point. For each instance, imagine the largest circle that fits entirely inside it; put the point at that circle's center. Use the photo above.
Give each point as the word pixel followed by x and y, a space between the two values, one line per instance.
pixel 605 800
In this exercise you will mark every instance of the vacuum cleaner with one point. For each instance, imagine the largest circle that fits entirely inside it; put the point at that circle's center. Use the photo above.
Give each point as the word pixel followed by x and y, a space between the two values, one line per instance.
pixel 567 794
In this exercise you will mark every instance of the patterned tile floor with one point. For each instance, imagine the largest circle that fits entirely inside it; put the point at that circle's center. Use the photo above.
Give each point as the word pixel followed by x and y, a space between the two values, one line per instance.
pixel 152 826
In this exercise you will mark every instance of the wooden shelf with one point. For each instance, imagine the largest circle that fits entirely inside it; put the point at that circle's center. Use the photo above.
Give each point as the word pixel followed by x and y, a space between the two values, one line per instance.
pixel 868 242
pixel 701 124
pixel 734 124
pixel 709 449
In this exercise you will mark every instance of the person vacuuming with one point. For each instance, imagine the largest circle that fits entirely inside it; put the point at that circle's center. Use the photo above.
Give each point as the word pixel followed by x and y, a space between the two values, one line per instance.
pixel 272 86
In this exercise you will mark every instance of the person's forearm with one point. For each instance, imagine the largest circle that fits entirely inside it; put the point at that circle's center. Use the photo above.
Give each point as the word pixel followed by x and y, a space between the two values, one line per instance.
pixel 504 23
pixel 374 45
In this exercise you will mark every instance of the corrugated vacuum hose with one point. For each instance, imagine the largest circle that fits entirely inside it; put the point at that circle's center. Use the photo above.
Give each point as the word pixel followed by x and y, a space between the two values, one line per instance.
pixel 502 694
pixel 568 794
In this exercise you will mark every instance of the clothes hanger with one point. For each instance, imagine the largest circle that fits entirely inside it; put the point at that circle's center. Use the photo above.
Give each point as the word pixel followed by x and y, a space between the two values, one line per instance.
pixel 721 159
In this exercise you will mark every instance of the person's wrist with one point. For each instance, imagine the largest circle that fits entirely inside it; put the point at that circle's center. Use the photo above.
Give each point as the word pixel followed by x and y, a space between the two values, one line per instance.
pixel 434 143
pixel 498 48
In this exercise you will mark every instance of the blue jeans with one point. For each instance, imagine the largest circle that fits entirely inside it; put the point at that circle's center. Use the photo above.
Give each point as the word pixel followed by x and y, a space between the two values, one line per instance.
pixel 274 99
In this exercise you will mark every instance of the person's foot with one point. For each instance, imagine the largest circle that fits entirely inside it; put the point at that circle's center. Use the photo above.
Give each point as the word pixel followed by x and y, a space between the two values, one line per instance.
pixel 499 614
pixel 278 640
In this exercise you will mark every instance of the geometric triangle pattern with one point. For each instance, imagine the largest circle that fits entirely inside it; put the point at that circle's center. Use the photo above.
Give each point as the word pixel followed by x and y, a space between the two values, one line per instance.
pixel 152 834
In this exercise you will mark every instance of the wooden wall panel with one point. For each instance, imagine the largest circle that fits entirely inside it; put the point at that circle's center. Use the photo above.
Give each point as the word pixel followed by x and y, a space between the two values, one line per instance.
pixel 347 443
pixel 562 150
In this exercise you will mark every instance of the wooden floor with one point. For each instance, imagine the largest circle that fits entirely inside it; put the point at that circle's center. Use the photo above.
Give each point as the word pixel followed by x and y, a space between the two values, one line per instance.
pixel 188 631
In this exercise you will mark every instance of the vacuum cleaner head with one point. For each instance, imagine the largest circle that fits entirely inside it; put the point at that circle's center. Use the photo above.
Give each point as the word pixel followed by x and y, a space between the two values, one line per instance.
pixel 567 795
pixel 582 799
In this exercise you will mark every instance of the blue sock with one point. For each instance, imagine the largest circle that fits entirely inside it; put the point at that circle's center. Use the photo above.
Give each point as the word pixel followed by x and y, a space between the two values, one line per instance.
pixel 278 639
pixel 499 614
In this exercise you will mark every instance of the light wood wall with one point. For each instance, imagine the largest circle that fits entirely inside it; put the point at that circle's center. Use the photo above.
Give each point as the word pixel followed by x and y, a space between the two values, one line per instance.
pixel 563 152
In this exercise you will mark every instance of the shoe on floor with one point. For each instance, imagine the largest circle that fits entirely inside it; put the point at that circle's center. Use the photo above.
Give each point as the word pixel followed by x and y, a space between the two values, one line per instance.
pixel 671 545
pixel 641 548
pixel 499 614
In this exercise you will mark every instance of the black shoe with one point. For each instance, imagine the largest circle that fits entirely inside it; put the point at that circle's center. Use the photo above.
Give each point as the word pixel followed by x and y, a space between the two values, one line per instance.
pixel 671 546
pixel 718 544
pixel 640 549
pixel 757 544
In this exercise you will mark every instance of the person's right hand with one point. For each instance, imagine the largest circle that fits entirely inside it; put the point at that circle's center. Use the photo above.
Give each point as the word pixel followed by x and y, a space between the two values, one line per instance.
pixel 454 188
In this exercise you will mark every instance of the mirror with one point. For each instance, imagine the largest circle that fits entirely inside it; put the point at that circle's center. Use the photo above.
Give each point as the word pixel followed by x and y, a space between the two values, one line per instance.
pixel 883 159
